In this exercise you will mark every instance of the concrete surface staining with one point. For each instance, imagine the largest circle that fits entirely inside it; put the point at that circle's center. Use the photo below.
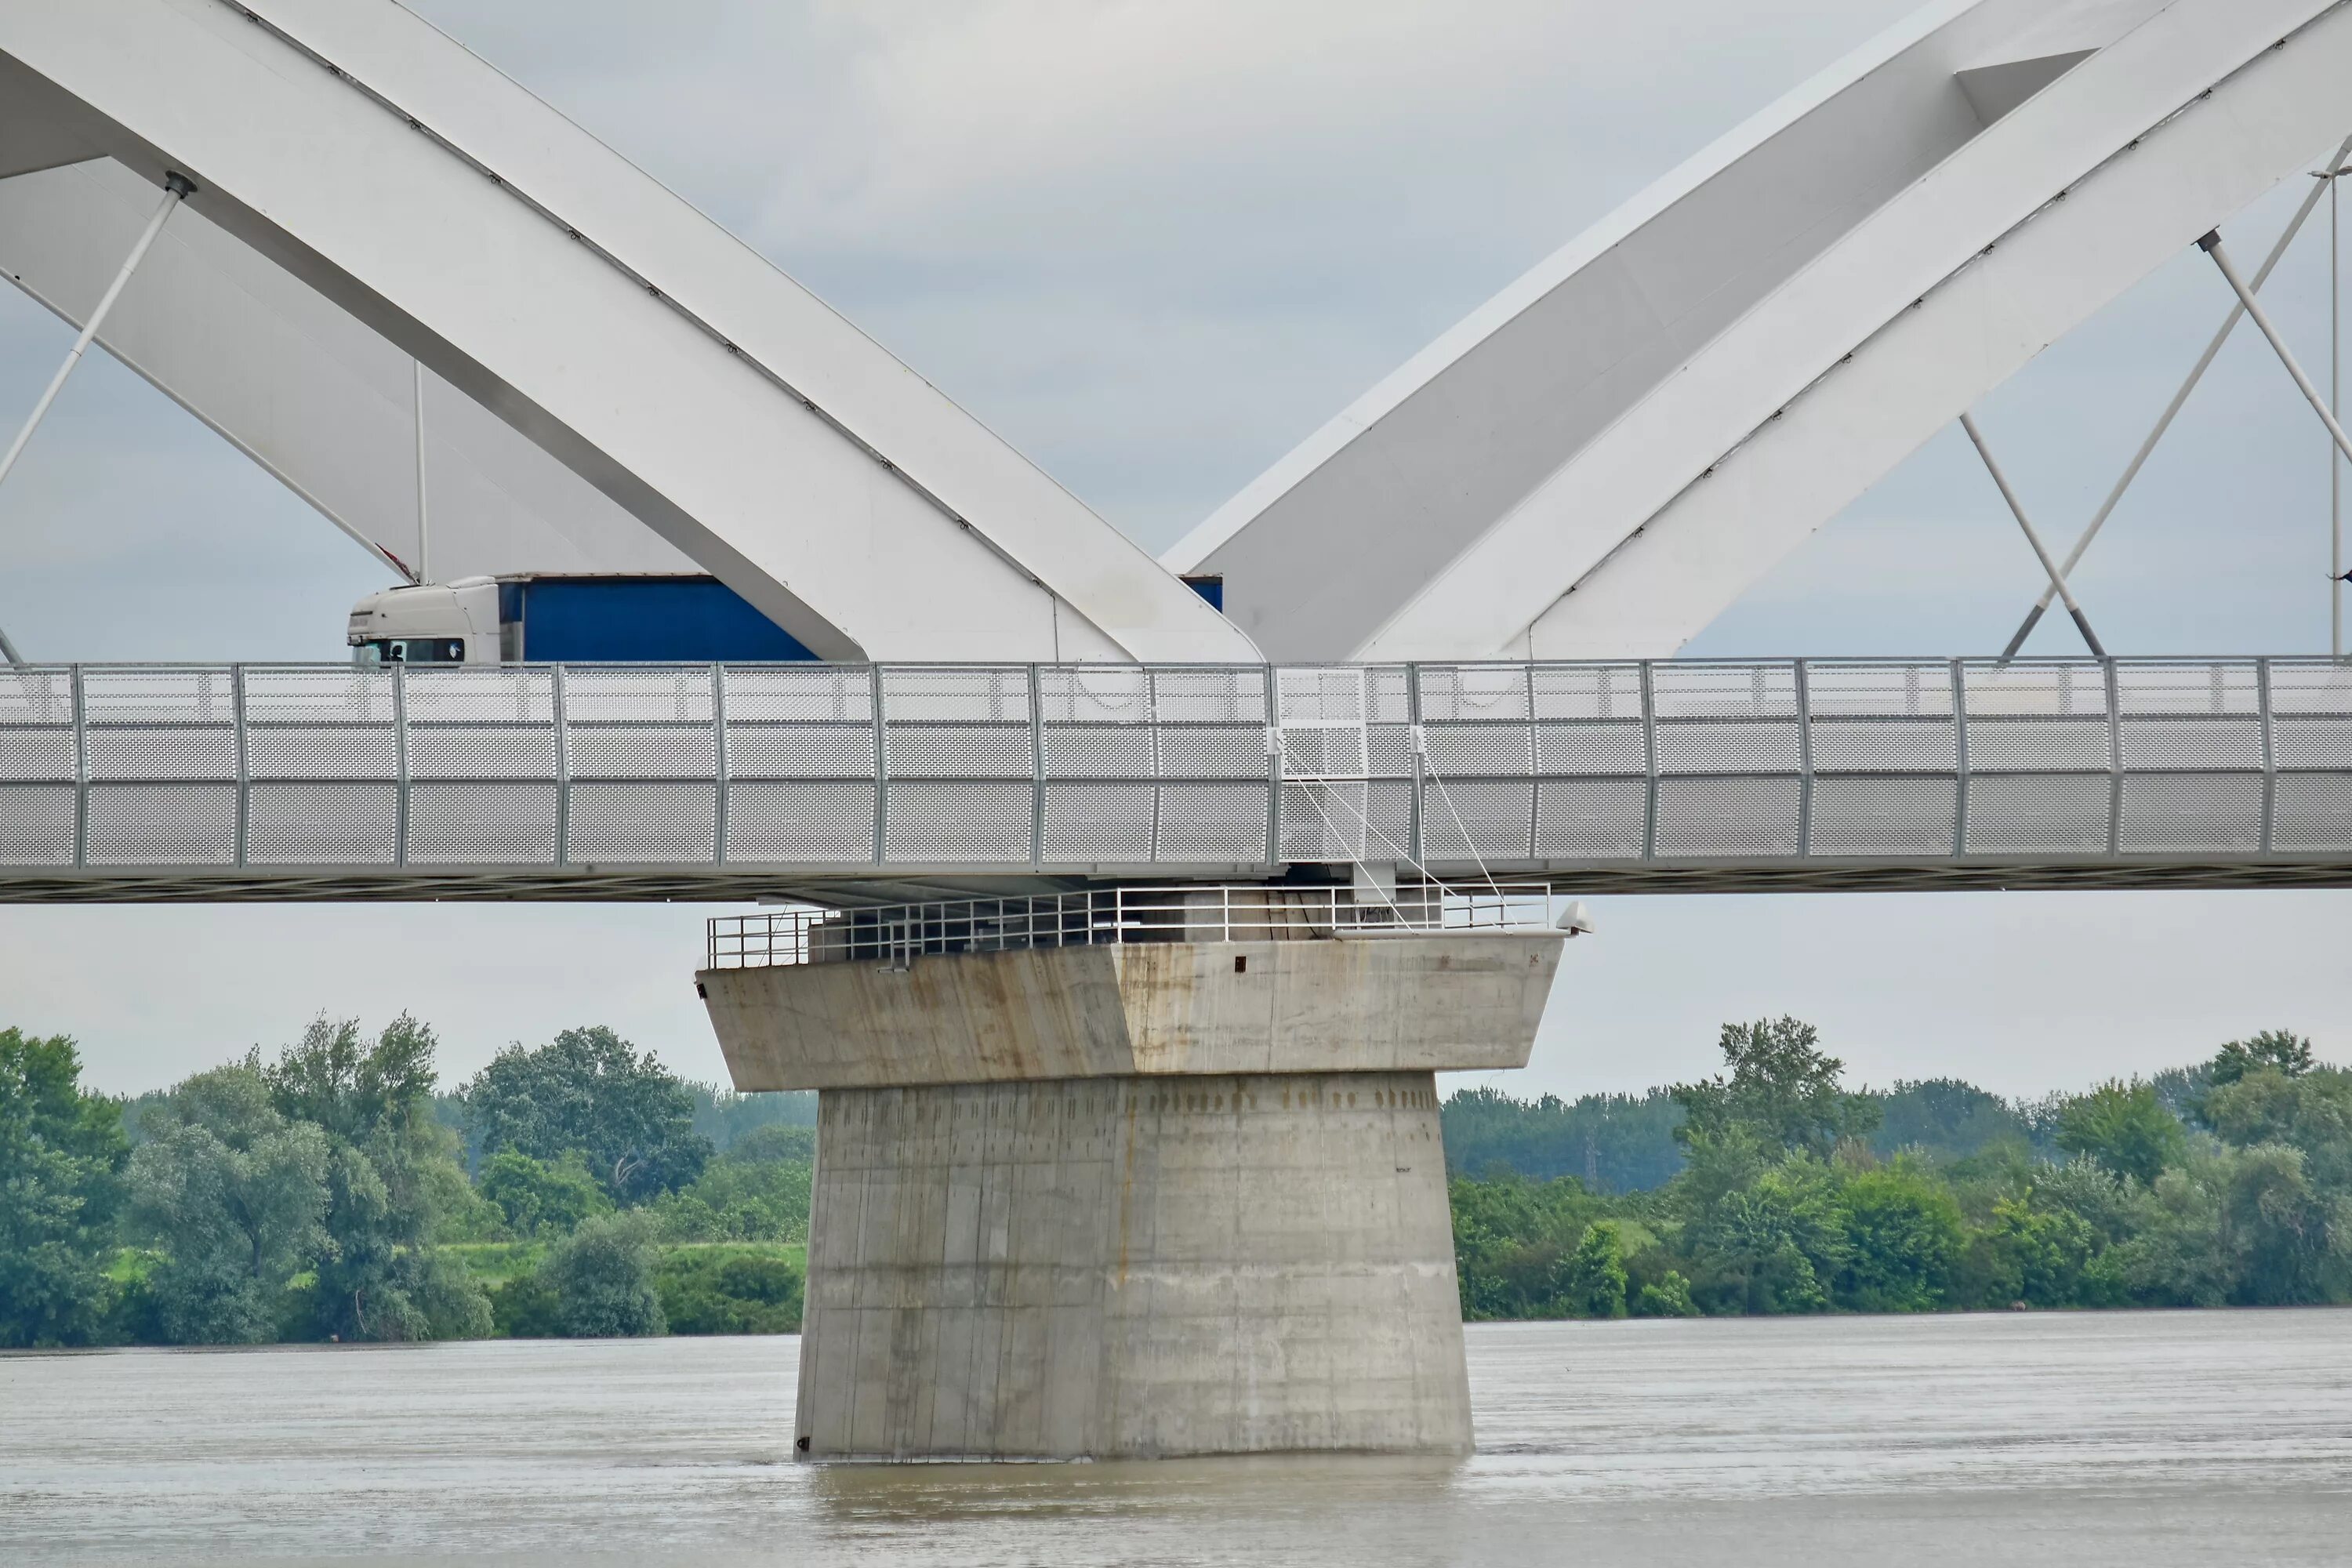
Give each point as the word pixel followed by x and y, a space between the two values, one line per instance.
pixel 1450 1003
pixel 1132 1267
pixel 1135 1200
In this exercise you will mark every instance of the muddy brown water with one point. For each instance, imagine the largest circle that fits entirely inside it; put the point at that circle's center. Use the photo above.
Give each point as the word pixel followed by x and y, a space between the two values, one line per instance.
pixel 2123 1438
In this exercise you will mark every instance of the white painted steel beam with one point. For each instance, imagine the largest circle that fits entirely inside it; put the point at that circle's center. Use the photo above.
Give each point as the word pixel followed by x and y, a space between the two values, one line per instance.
pixel 390 178
pixel 1604 456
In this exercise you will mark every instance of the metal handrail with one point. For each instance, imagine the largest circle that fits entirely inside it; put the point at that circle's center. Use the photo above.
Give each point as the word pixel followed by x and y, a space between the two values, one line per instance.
pixel 896 933
pixel 1220 770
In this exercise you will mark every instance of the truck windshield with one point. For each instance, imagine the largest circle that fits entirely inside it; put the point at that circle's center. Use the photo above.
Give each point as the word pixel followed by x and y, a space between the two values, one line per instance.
pixel 410 650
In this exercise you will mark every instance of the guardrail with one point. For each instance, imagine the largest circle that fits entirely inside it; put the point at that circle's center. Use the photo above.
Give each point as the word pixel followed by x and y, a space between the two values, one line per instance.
pixel 1075 769
pixel 1095 917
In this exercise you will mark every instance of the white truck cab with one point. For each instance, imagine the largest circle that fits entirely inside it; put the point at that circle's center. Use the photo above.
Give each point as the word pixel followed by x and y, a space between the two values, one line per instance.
pixel 430 623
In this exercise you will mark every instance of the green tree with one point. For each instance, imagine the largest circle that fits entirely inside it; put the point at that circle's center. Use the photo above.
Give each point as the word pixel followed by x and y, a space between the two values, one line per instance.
pixel 232 1191
pixel 1943 1117
pixel 391 1171
pixel 2292 1245
pixel 1669 1297
pixel 602 1275
pixel 538 1198
pixel 590 1090
pixel 2032 1253
pixel 2310 1112
pixel 1902 1232
pixel 1510 1239
pixel 2278 1050
pixel 61 1157
pixel 758 1191
pixel 525 1308
pixel 725 1118
pixel 1773 1245
pixel 716 1291
pixel 1782 1085
pixel 1592 1283
pixel 2124 1128
pixel 2173 1250
pixel 1611 1143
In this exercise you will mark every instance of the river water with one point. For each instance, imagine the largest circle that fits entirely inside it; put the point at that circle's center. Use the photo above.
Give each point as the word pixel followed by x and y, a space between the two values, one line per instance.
pixel 2125 1439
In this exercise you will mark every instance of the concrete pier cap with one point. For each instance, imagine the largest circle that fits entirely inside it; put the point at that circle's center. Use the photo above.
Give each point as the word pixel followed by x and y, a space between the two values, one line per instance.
pixel 1135 1173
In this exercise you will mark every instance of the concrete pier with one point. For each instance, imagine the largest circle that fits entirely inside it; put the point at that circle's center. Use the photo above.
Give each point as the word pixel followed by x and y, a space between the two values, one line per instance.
pixel 1134 1200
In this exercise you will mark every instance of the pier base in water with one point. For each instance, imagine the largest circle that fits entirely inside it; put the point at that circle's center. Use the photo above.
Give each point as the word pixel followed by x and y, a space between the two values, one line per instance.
pixel 1131 1202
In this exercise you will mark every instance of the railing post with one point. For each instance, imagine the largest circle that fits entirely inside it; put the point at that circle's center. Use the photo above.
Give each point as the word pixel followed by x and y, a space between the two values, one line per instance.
pixel 400 764
pixel 2115 758
pixel 1649 767
pixel 1272 765
pixel 881 774
pixel 1535 766
pixel 1417 741
pixel 243 759
pixel 1151 735
pixel 81 768
pixel 2269 754
pixel 1959 760
pixel 719 766
pixel 1804 763
pixel 1037 769
pixel 562 716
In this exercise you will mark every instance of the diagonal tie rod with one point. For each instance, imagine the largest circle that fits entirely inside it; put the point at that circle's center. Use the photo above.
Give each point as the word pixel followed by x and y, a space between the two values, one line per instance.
pixel 2179 398
pixel 177 188
pixel 2034 537
pixel 2212 245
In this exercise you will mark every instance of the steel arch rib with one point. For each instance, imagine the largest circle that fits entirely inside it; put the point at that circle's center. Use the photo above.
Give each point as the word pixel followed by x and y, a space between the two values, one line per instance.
pixel 333 419
pixel 1605 456
pixel 723 407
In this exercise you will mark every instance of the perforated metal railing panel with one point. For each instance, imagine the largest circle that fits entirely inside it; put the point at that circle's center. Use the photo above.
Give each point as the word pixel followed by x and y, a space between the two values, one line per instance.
pixel 650 780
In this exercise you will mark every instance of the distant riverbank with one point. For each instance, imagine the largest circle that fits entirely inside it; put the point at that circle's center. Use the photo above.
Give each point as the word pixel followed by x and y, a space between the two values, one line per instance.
pixel 577 1189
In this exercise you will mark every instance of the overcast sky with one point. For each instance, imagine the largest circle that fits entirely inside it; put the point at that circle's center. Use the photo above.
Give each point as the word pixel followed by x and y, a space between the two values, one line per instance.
pixel 1156 243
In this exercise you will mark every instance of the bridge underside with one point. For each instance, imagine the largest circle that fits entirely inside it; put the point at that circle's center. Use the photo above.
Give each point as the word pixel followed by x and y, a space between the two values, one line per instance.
pixel 856 886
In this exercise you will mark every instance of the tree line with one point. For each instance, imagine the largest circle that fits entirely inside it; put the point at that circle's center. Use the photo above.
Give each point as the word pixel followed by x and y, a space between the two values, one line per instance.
pixel 1773 1188
pixel 333 1193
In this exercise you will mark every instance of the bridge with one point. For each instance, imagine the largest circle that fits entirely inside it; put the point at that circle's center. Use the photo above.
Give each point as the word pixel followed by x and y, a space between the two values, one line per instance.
pixel 1143 921
pixel 856 784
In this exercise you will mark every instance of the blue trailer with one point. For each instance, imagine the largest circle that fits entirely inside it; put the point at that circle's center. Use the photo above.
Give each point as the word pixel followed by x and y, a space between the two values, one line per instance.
pixel 546 617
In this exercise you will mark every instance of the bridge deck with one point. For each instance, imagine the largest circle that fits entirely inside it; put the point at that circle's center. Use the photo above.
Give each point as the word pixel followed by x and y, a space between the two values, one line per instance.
pixel 877 782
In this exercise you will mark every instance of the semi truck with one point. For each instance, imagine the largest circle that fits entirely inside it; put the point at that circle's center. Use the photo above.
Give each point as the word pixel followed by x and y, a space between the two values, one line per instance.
pixel 541 617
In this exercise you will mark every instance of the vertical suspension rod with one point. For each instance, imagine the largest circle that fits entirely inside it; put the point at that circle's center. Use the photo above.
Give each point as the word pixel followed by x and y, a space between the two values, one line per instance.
pixel 423 530
pixel 2034 537
pixel 2335 402
pixel 177 188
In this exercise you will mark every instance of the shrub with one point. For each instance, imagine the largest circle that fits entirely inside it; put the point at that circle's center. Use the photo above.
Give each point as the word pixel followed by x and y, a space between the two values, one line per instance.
pixel 541 1197
pixel 723 1290
pixel 603 1279
pixel 1669 1297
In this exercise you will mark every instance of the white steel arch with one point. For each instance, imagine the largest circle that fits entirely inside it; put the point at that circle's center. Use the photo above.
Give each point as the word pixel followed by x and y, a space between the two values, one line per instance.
pixel 313 395
pixel 1601 458
pixel 370 196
